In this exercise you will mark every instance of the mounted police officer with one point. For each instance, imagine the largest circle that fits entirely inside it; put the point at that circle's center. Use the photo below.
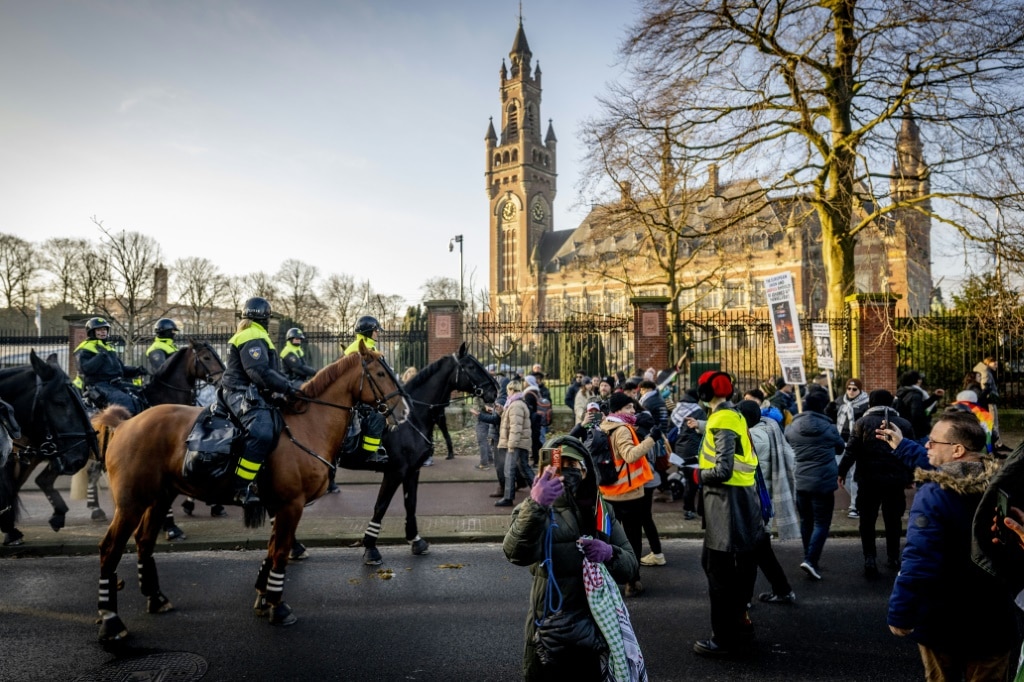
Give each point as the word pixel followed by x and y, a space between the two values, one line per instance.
pixel 250 376
pixel 293 356
pixel 102 371
pixel 367 328
pixel 163 343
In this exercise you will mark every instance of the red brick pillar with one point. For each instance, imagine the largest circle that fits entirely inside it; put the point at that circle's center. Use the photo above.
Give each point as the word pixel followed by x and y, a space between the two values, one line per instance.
pixel 873 348
pixel 650 332
pixel 76 335
pixel 444 328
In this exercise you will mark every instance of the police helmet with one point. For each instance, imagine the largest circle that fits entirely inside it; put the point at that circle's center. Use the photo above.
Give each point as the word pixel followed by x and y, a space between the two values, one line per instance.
pixel 257 309
pixel 366 325
pixel 165 328
pixel 294 333
pixel 93 324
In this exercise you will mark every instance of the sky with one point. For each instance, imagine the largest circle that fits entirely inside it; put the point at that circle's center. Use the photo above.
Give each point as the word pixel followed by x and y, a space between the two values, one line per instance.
pixel 346 134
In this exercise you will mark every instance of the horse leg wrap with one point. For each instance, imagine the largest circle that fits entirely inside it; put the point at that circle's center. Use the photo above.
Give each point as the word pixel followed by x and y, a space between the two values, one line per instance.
pixel 108 594
pixel 111 626
pixel 261 577
pixel 275 587
pixel 419 546
pixel 92 495
pixel 149 582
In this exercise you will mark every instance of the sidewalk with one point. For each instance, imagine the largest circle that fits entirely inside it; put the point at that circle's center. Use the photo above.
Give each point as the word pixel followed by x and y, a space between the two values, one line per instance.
pixel 453 507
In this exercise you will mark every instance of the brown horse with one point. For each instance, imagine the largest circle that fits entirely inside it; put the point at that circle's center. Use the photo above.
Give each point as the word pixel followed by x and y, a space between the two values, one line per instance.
pixel 144 463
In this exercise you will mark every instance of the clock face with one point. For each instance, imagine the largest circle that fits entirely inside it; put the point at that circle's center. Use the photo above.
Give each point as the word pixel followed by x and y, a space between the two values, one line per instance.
pixel 538 211
pixel 508 212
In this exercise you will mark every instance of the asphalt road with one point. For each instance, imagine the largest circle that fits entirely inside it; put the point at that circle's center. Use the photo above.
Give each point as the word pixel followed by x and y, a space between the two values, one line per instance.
pixel 456 613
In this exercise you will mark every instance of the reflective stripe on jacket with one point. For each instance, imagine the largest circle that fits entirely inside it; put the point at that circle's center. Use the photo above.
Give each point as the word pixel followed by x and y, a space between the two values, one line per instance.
pixel 744 460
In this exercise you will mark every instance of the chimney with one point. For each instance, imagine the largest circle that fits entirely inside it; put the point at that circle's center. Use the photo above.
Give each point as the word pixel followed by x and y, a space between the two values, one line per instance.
pixel 713 180
pixel 626 188
pixel 160 287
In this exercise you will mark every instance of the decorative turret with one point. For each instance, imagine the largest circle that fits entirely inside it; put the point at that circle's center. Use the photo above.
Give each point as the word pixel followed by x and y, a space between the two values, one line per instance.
pixel 520 54
pixel 491 137
pixel 550 140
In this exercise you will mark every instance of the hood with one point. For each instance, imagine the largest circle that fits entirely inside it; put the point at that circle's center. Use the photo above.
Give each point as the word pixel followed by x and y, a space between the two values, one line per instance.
pixel 963 478
pixel 587 495
pixel 812 422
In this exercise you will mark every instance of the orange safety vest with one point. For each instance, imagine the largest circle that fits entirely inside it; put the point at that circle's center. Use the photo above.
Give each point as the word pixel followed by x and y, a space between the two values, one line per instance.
pixel 632 475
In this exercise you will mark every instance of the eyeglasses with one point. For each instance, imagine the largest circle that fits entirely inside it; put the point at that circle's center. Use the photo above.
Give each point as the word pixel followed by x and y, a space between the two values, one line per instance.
pixel 852 388
pixel 939 442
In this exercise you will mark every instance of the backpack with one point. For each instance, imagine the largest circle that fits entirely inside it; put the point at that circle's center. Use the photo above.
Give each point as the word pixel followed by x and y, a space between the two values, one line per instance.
pixel 601 452
pixel 544 410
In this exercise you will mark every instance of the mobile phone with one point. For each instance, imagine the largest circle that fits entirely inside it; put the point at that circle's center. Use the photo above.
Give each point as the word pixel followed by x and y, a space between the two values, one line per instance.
pixel 552 456
pixel 885 420
pixel 1002 511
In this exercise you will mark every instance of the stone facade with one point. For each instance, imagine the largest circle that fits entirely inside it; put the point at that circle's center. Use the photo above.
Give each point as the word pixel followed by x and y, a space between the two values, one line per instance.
pixel 598 266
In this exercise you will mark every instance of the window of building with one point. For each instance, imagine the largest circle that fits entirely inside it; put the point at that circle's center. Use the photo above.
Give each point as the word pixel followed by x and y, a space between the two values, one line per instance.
pixel 512 130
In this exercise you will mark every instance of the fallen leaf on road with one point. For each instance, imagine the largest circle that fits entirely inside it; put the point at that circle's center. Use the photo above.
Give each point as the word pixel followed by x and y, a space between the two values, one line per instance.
pixel 451 566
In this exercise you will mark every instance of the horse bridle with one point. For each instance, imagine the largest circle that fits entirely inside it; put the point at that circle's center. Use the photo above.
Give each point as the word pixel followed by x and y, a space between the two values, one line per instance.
pixel 49 447
pixel 478 389
pixel 197 364
pixel 380 402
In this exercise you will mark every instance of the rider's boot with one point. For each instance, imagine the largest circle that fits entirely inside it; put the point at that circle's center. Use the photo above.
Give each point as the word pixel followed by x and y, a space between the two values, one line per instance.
pixel 247 493
pixel 245 490
pixel 379 456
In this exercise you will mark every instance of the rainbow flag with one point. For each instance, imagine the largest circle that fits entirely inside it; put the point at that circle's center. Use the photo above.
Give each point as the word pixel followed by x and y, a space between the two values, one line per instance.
pixel 603 521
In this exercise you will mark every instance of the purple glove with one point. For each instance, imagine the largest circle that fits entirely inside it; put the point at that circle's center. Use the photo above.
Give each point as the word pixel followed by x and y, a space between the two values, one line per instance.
pixel 546 487
pixel 596 551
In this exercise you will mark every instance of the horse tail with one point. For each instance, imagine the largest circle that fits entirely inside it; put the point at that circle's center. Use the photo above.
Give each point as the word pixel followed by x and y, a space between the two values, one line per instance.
pixel 255 514
pixel 104 423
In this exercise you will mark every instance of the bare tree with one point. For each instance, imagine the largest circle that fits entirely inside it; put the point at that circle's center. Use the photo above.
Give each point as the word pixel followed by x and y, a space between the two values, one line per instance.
pixel 133 259
pixel 258 284
pixel 62 259
pixel 296 290
pixel 815 92
pixel 440 288
pixel 18 270
pixel 654 227
pixel 198 284
pixel 341 299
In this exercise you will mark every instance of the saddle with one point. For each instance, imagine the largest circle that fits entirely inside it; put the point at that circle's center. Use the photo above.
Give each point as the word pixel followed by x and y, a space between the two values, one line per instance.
pixel 213 446
pixel 216 442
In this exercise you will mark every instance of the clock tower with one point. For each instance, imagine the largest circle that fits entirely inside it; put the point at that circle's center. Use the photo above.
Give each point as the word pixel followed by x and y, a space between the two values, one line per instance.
pixel 520 176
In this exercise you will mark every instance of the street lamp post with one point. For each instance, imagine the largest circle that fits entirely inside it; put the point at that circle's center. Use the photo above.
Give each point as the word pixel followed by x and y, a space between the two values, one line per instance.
pixel 457 239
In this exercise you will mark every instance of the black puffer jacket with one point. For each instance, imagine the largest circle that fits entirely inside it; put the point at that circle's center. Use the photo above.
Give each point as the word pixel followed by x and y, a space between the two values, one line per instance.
pixel 876 463
pixel 524 546
pixel 815 443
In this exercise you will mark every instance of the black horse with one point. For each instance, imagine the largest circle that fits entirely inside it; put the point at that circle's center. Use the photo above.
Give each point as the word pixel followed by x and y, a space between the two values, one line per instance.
pixel 411 443
pixel 54 426
pixel 174 383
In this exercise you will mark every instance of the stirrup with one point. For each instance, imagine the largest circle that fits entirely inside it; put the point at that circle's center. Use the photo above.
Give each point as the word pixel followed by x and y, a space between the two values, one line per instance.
pixel 247 495
pixel 378 457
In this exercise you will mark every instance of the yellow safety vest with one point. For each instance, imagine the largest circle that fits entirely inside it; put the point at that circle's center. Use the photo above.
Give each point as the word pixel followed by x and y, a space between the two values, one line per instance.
pixel 166 345
pixel 290 349
pixel 354 346
pixel 253 331
pixel 745 461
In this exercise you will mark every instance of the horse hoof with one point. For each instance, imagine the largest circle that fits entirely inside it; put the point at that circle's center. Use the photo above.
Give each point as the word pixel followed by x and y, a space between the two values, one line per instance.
pixel 262 607
pixel 371 557
pixel 57 522
pixel 420 546
pixel 112 629
pixel 99 515
pixel 282 615
pixel 158 603
pixel 188 506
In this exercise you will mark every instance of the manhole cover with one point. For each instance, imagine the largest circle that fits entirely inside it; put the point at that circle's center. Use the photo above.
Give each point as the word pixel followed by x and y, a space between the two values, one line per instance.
pixel 176 666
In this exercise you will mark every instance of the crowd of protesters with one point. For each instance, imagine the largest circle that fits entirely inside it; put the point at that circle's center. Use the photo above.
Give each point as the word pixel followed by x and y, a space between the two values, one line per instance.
pixel 769 461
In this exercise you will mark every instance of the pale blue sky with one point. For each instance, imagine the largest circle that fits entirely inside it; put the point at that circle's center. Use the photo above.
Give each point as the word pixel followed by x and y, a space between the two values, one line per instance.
pixel 347 134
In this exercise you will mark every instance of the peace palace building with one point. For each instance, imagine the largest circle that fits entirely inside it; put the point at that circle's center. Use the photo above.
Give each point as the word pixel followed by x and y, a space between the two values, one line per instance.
pixel 537 272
